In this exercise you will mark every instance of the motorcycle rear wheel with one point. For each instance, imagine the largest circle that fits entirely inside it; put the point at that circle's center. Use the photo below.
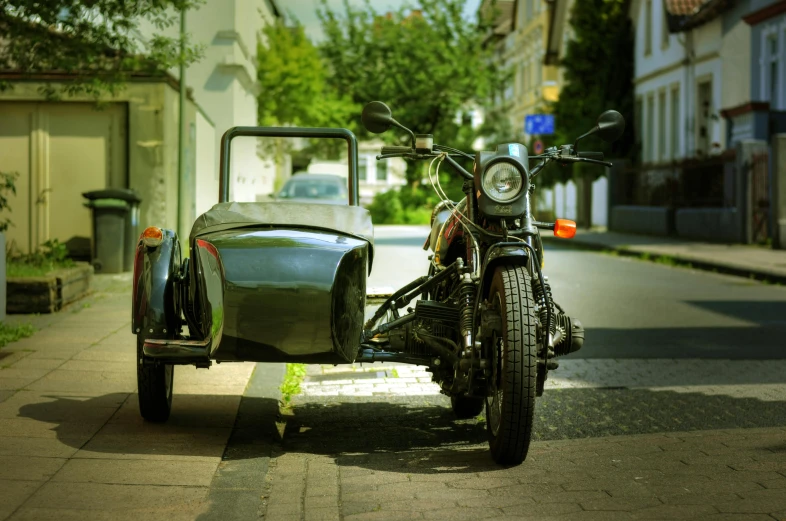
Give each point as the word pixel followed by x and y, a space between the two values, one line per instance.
pixel 510 406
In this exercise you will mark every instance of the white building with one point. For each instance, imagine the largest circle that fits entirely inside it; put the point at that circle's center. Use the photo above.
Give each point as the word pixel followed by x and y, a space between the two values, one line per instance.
pixel 224 84
pixel 679 78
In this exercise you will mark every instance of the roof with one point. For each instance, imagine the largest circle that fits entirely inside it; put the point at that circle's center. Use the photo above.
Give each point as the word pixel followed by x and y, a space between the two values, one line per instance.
pixel 683 7
pixel 683 15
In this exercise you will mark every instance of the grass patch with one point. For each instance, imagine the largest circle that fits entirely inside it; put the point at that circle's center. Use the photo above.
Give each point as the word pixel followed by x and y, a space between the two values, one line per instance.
pixel 23 269
pixel 13 332
pixel 292 379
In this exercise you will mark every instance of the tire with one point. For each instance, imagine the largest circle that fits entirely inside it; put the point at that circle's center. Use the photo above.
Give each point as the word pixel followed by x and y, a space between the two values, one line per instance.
pixel 510 406
pixel 154 387
pixel 465 407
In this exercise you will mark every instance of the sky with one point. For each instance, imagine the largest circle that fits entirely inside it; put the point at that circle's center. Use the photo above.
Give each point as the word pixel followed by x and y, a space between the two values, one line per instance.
pixel 306 10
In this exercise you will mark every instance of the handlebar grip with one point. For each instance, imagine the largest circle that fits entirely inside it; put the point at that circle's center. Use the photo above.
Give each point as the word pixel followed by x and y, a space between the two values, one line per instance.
pixel 395 150
pixel 592 155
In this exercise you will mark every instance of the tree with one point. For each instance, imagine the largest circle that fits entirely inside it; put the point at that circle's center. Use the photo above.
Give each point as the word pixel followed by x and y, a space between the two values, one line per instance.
pixel 292 79
pixel 598 67
pixel 96 43
pixel 294 91
pixel 427 63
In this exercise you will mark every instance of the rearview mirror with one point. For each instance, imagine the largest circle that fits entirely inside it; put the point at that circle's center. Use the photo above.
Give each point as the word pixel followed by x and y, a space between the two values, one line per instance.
pixel 610 126
pixel 377 117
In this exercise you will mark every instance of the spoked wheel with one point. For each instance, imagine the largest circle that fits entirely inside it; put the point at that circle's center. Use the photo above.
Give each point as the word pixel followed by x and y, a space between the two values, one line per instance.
pixel 466 406
pixel 154 386
pixel 510 405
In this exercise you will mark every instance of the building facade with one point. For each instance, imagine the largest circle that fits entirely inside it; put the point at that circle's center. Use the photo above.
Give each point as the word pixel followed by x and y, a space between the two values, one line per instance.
pixel 520 36
pixel 758 110
pixel 62 149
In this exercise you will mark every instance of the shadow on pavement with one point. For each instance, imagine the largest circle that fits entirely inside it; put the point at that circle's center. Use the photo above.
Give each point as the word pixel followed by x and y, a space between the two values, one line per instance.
pixel 416 434
pixel 763 342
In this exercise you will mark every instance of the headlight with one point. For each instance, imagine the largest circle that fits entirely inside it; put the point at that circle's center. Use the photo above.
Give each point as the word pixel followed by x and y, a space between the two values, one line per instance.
pixel 503 182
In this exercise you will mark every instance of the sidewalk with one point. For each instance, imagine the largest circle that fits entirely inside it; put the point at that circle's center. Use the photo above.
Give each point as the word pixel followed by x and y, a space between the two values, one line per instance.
pixel 72 443
pixel 692 463
pixel 735 259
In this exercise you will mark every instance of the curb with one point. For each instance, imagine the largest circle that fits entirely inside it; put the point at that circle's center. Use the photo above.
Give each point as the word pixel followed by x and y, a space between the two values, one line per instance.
pixel 678 260
pixel 236 491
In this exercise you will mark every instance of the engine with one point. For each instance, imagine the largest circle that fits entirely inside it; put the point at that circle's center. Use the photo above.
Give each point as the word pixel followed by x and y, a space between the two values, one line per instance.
pixel 433 320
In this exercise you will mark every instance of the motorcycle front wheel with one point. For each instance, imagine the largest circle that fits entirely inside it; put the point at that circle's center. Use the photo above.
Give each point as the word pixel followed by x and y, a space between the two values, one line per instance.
pixel 510 404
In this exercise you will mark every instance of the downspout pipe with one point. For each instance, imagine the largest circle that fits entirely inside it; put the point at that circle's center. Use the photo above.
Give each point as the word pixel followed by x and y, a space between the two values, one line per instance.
pixel 181 141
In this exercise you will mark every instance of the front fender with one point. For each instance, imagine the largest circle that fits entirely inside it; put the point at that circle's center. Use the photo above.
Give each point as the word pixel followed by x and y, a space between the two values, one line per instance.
pixel 499 254
pixel 156 307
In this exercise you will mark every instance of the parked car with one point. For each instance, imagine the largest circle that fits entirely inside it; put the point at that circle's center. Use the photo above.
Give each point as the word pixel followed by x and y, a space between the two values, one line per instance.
pixel 315 188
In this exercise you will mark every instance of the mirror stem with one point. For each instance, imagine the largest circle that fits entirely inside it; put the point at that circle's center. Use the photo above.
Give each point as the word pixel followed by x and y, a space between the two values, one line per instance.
pixel 402 127
pixel 576 143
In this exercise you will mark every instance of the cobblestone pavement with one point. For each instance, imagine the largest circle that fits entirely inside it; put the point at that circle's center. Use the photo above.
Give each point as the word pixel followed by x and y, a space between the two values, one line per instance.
pixel 614 439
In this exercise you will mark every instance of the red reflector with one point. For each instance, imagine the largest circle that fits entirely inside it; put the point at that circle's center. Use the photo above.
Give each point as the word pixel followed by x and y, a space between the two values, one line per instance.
pixel 152 236
pixel 564 229
pixel 208 248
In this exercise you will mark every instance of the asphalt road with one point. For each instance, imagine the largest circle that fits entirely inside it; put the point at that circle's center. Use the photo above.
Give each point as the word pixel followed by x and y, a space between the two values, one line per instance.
pixel 631 308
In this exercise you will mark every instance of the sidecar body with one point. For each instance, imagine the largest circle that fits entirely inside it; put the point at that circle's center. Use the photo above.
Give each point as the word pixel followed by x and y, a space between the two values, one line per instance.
pixel 270 282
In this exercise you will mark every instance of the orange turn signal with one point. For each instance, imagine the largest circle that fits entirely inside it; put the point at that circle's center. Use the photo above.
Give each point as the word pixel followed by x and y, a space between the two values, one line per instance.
pixel 564 229
pixel 152 236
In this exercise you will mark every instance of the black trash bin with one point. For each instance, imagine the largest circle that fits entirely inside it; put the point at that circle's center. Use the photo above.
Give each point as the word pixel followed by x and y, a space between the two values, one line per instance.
pixel 113 248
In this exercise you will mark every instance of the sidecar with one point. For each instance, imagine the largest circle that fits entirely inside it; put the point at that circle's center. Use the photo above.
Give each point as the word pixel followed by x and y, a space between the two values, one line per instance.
pixel 265 282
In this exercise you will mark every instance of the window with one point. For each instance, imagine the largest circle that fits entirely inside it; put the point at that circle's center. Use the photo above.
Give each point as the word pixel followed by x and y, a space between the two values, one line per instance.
pixel 382 170
pixel 363 168
pixel 675 122
pixel 773 66
pixel 648 27
pixel 649 134
pixel 662 126
pixel 664 31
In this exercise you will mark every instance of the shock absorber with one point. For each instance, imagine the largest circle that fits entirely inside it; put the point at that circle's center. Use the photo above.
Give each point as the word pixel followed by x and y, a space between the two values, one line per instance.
pixel 542 294
pixel 467 291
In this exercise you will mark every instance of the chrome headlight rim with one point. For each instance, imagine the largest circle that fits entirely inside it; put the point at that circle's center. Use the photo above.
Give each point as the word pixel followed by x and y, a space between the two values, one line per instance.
pixel 515 166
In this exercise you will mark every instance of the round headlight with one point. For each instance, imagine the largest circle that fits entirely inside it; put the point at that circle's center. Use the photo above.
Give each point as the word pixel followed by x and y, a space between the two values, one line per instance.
pixel 503 182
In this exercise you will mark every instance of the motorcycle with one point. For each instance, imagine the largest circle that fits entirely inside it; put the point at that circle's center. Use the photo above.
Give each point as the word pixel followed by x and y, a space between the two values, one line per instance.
pixel 286 282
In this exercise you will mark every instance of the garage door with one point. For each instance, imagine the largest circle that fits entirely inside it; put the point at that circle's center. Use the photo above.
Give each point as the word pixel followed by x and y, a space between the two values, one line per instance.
pixel 60 151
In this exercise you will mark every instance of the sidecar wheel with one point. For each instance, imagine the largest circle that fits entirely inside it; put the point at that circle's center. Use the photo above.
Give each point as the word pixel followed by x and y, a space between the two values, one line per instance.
pixel 466 407
pixel 510 406
pixel 154 387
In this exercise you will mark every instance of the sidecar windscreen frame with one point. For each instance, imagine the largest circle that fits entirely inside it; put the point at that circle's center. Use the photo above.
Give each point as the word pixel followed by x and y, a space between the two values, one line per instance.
pixel 290 132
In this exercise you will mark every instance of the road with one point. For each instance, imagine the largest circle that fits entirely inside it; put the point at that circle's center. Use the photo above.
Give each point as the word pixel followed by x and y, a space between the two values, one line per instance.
pixel 670 353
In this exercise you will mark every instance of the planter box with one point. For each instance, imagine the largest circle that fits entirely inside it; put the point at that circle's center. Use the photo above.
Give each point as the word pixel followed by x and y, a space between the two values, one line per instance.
pixel 51 292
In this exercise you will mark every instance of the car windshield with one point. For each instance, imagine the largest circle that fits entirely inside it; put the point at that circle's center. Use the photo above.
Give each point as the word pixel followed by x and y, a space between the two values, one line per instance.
pixel 314 189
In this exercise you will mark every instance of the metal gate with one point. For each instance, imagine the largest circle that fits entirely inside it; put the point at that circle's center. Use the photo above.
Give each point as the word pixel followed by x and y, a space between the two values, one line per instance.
pixel 760 198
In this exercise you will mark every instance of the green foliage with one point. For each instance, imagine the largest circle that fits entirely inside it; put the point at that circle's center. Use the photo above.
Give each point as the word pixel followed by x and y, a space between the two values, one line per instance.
pixel 598 67
pixel 13 332
pixel 51 256
pixel 427 63
pixel 98 44
pixel 393 207
pixel 292 379
pixel 292 78
pixel 7 187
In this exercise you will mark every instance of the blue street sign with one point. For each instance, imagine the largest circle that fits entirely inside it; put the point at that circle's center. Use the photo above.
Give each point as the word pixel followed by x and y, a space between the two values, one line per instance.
pixel 541 124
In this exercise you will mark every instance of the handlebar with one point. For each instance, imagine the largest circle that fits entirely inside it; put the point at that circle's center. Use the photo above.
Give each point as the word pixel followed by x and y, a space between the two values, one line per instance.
pixel 592 155
pixel 395 150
